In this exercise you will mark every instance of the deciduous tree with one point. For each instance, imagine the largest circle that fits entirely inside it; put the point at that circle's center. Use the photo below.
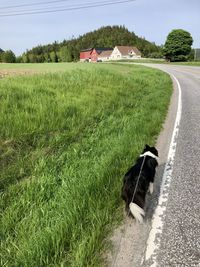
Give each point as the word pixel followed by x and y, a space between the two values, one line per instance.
pixel 8 57
pixel 178 45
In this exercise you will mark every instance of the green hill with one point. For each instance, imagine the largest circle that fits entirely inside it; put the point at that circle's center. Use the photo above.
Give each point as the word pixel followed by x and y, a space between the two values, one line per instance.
pixel 69 50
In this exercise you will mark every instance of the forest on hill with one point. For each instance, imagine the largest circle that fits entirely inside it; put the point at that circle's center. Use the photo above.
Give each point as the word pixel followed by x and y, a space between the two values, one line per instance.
pixel 69 50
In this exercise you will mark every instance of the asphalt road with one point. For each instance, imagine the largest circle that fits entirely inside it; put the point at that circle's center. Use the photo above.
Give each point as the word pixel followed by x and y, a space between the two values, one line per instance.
pixel 176 241
pixel 179 244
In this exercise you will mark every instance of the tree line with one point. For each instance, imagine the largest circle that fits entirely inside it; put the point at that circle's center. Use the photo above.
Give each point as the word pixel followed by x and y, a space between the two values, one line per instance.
pixel 69 50
pixel 177 46
pixel 7 56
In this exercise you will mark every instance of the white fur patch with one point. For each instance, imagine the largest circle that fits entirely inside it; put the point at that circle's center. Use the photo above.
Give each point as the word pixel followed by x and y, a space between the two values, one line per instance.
pixel 137 212
pixel 148 153
pixel 151 188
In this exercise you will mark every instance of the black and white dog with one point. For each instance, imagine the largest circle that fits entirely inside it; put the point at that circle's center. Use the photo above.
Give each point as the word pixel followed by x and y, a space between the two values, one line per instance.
pixel 134 190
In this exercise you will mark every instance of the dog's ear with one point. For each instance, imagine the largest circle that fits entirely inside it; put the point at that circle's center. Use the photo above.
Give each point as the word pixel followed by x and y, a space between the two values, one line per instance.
pixel 146 146
pixel 154 151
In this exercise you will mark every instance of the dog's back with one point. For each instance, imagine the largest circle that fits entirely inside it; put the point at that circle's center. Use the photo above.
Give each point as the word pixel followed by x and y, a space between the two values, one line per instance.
pixel 136 182
pixel 130 183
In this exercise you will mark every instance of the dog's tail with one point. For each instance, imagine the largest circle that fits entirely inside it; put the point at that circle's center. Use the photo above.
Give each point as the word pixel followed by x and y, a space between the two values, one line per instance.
pixel 137 212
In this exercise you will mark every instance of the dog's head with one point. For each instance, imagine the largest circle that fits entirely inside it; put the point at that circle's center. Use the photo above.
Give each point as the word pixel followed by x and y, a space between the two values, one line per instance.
pixel 151 149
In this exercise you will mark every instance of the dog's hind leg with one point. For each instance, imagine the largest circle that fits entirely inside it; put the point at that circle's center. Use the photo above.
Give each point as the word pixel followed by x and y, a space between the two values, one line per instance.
pixel 150 190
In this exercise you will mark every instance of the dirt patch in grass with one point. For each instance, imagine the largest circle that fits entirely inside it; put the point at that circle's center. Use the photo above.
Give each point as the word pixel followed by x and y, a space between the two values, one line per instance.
pixel 7 73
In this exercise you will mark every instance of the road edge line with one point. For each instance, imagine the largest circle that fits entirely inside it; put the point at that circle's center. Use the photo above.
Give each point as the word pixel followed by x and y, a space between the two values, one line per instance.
pixel 153 241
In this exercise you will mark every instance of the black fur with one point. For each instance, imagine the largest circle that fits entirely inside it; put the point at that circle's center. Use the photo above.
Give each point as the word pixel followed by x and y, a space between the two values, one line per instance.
pixel 147 176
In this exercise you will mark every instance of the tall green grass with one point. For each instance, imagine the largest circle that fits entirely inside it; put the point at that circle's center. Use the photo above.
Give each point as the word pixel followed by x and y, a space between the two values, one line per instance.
pixel 66 141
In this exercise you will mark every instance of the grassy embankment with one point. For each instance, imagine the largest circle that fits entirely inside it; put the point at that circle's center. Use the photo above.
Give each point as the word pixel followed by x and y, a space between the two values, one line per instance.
pixel 66 141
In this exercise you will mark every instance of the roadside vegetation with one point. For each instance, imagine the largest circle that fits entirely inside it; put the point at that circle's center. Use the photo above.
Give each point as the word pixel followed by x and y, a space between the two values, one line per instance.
pixel 66 140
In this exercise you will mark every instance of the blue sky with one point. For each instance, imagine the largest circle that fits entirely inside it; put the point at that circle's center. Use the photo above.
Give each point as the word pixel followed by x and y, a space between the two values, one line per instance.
pixel 152 19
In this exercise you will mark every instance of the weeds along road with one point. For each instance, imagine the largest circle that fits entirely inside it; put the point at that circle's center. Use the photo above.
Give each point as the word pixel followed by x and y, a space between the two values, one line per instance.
pixel 172 237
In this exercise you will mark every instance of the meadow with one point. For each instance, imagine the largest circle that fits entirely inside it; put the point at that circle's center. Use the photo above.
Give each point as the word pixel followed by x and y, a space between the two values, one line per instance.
pixel 66 139
pixel 13 69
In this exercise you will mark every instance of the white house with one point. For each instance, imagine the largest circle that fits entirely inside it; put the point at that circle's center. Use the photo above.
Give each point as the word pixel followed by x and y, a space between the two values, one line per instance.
pixel 125 52
pixel 105 55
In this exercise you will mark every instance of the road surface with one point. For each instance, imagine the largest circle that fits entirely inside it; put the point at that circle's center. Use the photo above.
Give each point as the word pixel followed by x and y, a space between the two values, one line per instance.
pixel 171 238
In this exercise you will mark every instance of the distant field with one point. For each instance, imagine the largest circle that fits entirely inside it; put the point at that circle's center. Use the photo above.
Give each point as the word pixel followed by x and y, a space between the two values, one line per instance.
pixel 142 60
pixel 192 63
pixel 66 140
pixel 161 61
pixel 32 68
pixel 40 66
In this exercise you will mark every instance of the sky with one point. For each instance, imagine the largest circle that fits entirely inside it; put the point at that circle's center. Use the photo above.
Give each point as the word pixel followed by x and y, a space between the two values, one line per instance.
pixel 152 19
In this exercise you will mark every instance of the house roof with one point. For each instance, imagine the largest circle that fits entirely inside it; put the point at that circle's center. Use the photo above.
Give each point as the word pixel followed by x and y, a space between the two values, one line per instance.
pixel 106 53
pixel 125 50
pixel 101 49
pixel 98 49
pixel 86 50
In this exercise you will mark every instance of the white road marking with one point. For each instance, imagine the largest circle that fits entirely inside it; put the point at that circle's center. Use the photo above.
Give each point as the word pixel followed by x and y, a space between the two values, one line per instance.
pixel 153 242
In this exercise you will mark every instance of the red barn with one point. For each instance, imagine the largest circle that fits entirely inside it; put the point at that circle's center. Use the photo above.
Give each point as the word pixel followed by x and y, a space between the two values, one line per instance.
pixel 92 54
pixel 85 55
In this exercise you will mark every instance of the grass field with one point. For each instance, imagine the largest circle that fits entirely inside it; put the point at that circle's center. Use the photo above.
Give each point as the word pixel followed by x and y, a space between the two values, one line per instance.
pixel 30 69
pixel 66 140
pixel 42 67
